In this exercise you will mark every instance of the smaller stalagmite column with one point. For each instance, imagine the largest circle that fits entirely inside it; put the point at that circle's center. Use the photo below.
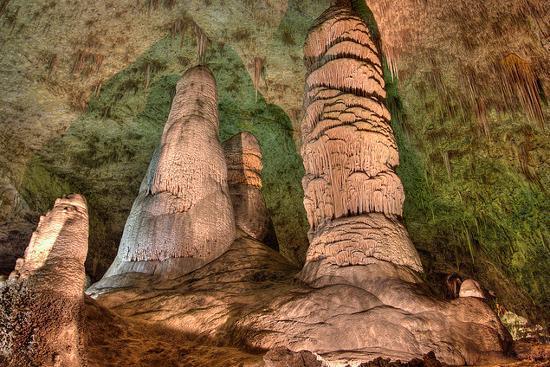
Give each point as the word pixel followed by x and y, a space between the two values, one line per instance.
pixel 58 248
pixel 244 168
pixel 42 301
pixel 182 217
pixel 353 198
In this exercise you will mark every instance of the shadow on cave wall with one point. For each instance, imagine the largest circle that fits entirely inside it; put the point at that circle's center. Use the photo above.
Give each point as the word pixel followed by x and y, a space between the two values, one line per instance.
pixel 105 153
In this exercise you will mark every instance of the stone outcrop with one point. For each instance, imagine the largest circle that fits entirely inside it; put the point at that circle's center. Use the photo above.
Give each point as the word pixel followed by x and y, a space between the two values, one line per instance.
pixel 182 217
pixel 471 288
pixel 41 303
pixel 244 168
pixel 353 198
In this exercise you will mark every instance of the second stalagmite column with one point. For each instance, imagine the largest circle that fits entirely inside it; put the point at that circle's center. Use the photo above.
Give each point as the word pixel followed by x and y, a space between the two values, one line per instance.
pixel 182 217
pixel 244 168
pixel 353 198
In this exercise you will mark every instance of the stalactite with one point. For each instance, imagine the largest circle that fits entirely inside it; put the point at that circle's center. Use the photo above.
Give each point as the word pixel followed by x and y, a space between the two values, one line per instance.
pixel 519 81
pixel 447 163
pixel 258 65
pixel 87 61
pixel 53 63
pixel 349 151
pixel 478 104
pixel 3 6
pixel 147 76
pixel 202 43
pixel 152 5
pixel 79 62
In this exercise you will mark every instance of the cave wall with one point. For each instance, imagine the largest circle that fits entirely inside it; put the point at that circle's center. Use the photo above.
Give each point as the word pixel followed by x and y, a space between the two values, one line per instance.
pixel 466 87
pixel 86 87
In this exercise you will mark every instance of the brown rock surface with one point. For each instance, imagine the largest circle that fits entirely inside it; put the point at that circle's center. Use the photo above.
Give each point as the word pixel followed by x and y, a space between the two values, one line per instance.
pixel 182 217
pixel 283 357
pixel 116 341
pixel 42 301
pixel 249 298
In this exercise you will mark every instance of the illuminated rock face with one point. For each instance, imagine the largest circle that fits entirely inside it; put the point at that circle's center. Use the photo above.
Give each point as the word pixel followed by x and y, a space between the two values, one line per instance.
pixel 244 167
pixel 41 303
pixel 182 217
pixel 353 198
pixel 471 288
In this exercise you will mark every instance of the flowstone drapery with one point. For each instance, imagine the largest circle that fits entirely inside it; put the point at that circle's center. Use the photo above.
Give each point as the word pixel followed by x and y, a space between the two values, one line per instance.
pixel 182 217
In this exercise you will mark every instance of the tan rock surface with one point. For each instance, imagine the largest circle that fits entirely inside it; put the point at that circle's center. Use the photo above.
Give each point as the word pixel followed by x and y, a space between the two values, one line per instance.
pixel 182 217
pixel 471 288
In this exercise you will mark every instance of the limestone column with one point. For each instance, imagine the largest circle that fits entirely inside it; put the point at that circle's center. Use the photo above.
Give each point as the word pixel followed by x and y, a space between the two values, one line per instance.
pixel 182 217
pixel 244 167
pixel 353 197
pixel 41 303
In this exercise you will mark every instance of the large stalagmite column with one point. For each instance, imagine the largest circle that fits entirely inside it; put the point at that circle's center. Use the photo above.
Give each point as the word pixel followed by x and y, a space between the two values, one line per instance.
pixel 182 217
pixel 353 198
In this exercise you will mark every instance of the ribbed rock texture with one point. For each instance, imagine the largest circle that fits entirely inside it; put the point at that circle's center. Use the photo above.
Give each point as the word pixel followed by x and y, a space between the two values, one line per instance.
pixel 244 168
pixel 353 198
pixel 41 303
pixel 182 217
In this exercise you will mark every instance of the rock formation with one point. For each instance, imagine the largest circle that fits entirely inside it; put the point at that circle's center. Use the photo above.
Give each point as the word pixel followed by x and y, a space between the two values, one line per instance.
pixel 353 198
pixel 244 168
pixel 283 357
pixel 364 297
pixel 471 288
pixel 41 303
pixel 182 217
